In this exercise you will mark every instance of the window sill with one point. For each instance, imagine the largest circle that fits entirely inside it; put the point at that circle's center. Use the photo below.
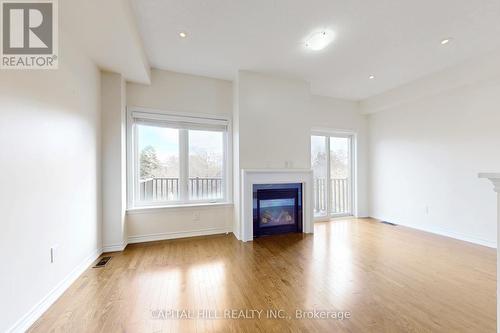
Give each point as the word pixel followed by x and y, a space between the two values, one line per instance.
pixel 157 209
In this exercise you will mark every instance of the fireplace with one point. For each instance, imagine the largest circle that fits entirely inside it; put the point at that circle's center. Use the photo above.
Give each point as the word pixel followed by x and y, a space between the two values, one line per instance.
pixel 277 209
pixel 251 182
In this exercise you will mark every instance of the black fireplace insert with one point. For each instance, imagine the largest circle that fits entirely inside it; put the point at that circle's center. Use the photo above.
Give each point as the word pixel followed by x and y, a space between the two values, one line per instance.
pixel 277 209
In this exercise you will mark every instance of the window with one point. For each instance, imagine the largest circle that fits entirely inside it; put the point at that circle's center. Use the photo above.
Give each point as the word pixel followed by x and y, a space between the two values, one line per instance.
pixel 176 159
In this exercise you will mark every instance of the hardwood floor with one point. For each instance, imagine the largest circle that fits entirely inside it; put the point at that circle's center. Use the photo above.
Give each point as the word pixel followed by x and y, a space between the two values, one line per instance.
pixel 390 279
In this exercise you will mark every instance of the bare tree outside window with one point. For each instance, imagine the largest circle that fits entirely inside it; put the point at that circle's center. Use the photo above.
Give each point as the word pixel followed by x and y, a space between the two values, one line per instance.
pixel 150 165
pixel 158 163
pixel 206 158
pixel 339 158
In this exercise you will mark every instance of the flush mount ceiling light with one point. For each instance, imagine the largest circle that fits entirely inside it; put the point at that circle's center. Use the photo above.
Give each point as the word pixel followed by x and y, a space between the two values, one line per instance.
pixel 371 77
pixel 182 34
pixel 445 41
pixel 319 40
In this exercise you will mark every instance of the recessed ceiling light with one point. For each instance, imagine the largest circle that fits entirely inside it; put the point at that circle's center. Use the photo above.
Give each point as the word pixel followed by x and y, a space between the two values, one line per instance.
pixel 445 41
pixel 319 40
pixel 182 34
pixel 371 77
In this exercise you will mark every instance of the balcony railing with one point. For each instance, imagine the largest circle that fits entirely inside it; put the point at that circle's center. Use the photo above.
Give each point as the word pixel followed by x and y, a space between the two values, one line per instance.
pixel 340 198
pixel 165 189
pixel 205 188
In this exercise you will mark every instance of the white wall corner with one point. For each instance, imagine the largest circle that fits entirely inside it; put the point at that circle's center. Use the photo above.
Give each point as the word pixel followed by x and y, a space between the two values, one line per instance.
pixel 495 180
pixel 114 247
pixel 113 114
pixel 136 37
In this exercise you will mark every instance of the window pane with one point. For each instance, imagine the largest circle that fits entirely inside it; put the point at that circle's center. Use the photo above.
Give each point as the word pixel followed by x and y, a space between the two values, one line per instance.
pixel 158 163
pixel 340 174
pixel 206 154
pixel 319 166
pixel 339 150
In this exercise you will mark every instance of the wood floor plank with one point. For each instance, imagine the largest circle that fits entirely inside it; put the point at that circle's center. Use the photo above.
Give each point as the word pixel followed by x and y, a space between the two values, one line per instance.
pixel 390 278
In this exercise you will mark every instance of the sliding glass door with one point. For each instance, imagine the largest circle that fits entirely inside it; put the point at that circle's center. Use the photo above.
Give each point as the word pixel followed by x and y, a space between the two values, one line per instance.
pixel 331 161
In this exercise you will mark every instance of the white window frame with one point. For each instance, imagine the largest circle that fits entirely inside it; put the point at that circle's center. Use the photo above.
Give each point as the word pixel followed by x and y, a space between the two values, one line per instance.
pixel 201 120
pixel 353 169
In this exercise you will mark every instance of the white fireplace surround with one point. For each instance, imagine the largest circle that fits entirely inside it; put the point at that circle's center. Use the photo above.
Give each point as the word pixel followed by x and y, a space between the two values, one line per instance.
pixel 249 177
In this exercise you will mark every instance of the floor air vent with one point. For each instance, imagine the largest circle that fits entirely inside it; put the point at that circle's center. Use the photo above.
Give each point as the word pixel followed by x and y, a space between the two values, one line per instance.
pixel 102 262
pixel 389 223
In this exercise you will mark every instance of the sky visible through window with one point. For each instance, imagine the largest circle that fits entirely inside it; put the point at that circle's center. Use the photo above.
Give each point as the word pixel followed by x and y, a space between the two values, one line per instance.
pixel 339 156
pixel 165 141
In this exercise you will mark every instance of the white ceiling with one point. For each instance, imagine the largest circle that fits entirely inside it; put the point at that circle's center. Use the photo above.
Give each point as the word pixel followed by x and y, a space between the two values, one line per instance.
pixel 398 41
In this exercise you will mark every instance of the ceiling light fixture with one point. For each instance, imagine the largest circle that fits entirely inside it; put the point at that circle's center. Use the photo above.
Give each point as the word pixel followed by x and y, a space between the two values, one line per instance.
pixel 445 41
pixel 371 77
pixel 319 40
pixel 182 34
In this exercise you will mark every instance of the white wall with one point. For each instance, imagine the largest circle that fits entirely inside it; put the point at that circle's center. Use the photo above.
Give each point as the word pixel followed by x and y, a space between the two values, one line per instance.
pixel 177 92
pixel 178 222
pixel 49 181
pixel 425 155
pixel 273 122
pixel 275 118
pixel 277 115
pixel 329 113
pixel 114 171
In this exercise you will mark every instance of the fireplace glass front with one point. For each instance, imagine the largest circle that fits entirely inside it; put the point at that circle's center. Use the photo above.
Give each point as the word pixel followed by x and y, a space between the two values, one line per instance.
pixel 277 209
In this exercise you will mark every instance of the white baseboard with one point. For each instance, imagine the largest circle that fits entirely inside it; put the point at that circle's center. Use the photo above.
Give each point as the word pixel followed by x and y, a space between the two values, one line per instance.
pixel 459 236
pixel 447 233
pixel 236 234
pixel 36 312
pixel 176 234
pixel 114 247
